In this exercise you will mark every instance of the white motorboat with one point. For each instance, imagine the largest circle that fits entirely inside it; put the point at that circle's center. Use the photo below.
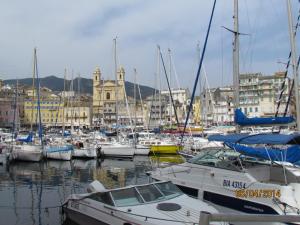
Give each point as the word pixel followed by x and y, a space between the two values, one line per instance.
pixel 154 203
pixel 117 150
pixel 237 184
pixel 27 152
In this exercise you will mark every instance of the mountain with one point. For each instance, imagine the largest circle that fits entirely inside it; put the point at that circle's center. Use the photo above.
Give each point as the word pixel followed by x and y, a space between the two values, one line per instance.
pixel 86 85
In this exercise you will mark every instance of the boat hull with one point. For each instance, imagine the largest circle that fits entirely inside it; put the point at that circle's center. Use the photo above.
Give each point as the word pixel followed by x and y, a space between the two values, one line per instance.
pixel 165 149
pixel 117 151
pixel 141 150
pixel 59 155
pixel 85 153
pixel 81 219
pixel 33 153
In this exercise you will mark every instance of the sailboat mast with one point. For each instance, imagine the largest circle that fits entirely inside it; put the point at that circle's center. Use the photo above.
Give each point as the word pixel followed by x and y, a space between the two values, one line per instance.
pixel 78 100
pixel 134 96
pixel 71 102
pixel 38 98
pixel 294 63
pixel 159 87
pixel 236 70
pixel 15 110
pixel 200 104
pixel 63 109
pixel 33 93
pixel 116 86
pixel 170 70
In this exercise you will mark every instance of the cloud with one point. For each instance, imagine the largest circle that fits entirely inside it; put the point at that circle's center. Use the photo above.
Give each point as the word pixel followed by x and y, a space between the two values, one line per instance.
pixel 78 35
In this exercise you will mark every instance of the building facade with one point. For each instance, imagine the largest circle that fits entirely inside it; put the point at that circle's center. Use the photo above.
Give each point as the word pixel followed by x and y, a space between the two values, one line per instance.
pixel 108 97
pixel 57 110
pixel 180 99
pixel 258 97
pixel 11 107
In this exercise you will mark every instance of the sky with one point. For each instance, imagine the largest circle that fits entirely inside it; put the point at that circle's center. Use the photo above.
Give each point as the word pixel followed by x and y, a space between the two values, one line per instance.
pixel 78 35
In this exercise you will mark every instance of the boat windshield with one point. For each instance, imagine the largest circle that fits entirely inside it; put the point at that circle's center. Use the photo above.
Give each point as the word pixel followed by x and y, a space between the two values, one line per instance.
pixel 169 189
pixel 150 193
pixel 126 197
pixel 145 194
pixel 219 158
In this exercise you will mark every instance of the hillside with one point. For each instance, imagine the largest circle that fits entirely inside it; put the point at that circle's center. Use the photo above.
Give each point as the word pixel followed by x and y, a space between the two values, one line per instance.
pixel 86 85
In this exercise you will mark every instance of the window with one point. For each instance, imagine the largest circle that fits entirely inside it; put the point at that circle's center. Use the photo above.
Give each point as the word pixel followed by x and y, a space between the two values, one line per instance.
pixel 250 109
pixel 107 95
pixel 256 109
pixel 102 197
pixel 149 193
pixel 169 189
pixel 126 197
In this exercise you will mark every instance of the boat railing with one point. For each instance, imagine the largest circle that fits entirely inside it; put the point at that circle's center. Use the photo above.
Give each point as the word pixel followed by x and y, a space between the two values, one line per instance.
pixel 206 218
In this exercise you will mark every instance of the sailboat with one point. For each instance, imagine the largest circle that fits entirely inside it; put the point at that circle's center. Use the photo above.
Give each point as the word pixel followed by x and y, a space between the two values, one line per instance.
pixel 32 150
pixel 83 146
pixel 58 149
pixel 138 148
pixel 117 149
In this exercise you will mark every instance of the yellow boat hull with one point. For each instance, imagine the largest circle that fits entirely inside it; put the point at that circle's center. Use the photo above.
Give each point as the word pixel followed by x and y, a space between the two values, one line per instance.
pixel 165 149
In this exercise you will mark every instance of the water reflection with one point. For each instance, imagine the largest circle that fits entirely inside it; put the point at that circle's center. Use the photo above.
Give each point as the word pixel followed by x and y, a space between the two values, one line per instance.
pixel 32 193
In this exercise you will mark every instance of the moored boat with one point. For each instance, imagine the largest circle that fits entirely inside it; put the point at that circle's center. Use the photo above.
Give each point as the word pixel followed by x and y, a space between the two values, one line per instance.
pixel 59 152
pixel 153 203
pixel 27 152
pixel 165 148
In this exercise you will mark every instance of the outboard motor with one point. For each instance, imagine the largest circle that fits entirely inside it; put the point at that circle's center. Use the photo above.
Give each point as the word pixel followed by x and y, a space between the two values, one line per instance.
pixel 96 186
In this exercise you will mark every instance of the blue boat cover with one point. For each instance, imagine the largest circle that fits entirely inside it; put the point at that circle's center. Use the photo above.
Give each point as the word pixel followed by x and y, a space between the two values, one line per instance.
pixel 67 133
pixel 27 139
pixel 242 120
pixel 272 139
pixel 290 154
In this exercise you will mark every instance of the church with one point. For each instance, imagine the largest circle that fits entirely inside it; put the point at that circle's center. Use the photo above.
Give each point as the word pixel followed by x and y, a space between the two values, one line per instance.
pixel 108 97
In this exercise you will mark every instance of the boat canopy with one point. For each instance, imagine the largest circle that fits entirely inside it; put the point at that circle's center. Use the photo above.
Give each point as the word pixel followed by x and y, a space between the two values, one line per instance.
pixel 290 154
pixel 241 119
pixel 272 139
pixel 27 139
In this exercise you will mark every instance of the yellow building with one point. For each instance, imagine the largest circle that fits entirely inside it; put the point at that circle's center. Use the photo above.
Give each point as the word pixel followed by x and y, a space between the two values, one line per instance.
pixel 50 108
pixel 76 112
pixel 106 93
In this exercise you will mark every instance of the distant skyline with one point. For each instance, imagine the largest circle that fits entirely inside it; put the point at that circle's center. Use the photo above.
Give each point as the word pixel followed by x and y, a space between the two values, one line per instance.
pixel 78 35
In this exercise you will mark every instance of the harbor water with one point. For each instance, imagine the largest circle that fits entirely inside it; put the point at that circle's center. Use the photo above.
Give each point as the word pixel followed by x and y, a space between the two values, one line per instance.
pixel 32 193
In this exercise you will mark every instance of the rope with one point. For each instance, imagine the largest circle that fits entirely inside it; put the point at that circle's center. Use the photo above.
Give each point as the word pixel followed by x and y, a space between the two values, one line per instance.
pixel 198 72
